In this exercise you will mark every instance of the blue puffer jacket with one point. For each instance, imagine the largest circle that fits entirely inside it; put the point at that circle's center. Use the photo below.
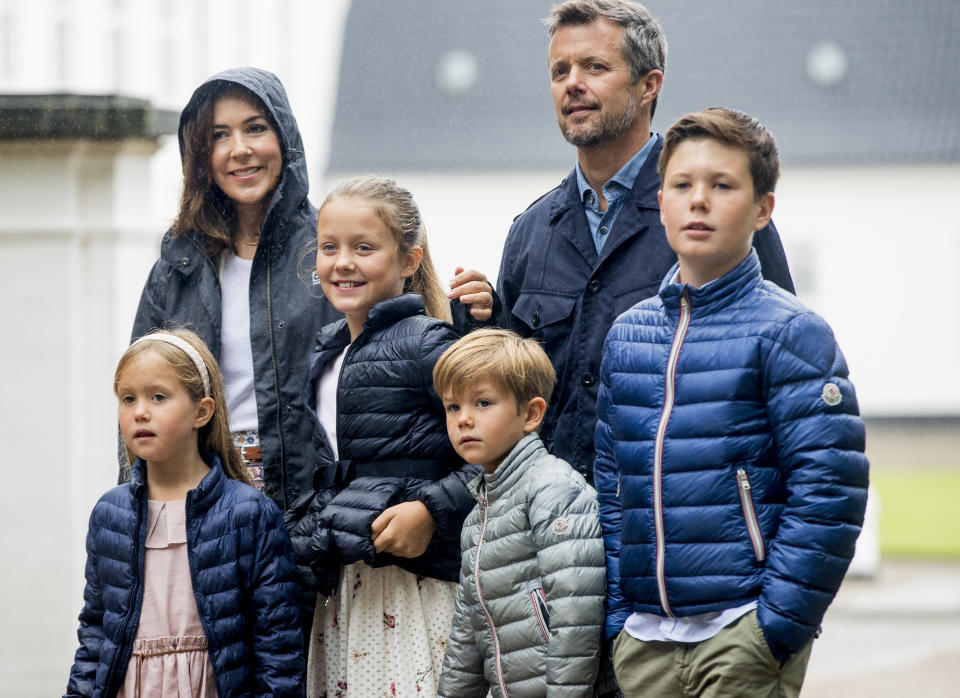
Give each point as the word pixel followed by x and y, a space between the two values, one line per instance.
pixel 393 446
pixel 730 461
pixel 243 577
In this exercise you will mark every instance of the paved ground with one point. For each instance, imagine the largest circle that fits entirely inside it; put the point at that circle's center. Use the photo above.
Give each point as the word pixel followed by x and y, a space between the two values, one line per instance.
pixel 895 635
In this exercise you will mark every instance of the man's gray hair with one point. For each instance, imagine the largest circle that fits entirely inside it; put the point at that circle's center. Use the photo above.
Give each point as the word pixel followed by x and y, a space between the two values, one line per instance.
pixel 644 45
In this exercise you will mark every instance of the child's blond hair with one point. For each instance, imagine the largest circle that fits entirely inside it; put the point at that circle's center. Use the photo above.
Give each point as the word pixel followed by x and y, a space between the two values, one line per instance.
pixel 502 357
pixel 214 436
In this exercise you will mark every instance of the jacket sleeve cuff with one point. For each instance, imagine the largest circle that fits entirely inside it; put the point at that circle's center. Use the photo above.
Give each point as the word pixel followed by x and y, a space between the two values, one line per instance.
pixel 449 501
pixel 464 322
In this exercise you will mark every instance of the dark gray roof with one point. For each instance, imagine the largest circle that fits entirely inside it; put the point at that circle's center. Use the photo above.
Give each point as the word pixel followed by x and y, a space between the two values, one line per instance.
pixel 889 90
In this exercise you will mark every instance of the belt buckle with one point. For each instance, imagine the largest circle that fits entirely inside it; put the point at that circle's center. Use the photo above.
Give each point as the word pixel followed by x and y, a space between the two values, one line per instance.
pixel 251 454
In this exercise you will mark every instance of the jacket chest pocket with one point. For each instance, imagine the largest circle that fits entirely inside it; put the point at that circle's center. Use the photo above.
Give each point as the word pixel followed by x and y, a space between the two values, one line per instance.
pixel 545 316
pixel 538 602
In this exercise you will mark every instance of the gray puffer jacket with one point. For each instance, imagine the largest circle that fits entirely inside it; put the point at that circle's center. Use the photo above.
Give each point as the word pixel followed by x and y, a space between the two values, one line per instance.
pixel 532 582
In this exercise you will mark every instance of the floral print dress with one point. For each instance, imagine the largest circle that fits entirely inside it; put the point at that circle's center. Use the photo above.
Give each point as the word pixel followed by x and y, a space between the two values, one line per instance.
pixel 382 633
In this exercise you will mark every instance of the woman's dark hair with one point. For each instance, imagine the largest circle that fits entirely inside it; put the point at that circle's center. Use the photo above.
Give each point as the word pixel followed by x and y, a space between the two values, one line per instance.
pixel 204 208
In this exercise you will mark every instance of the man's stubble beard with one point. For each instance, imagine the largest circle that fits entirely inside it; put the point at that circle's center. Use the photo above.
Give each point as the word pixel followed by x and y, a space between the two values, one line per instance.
pixel 607 127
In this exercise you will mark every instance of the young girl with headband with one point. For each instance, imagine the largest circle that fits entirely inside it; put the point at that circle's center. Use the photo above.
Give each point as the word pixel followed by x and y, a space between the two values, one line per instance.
pixel 190 578
pixel 392 493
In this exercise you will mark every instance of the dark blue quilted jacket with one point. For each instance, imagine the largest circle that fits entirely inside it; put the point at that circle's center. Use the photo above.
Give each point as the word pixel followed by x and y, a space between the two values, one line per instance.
pixel 730 460
pixel 243 577
pixel 393 446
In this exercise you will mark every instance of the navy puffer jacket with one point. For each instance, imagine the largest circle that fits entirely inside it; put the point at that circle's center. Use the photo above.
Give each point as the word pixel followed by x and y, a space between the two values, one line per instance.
pixel 741 477
pixel 393 446
pixel 243 577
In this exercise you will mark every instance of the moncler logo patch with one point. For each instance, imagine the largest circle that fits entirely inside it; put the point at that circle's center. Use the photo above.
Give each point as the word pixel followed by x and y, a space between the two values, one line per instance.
pixel 561 527
pixel 831 394
pixel 315 278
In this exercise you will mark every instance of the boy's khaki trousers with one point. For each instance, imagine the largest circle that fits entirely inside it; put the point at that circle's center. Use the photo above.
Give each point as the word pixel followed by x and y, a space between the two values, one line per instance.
pixel 736 663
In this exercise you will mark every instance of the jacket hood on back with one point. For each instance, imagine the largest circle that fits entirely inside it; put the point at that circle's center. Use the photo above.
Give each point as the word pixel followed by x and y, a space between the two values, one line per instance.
pixel 294 183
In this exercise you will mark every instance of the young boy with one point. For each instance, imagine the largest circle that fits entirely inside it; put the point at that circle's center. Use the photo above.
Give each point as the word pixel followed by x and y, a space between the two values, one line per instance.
pixel 529 609
pixel 730 466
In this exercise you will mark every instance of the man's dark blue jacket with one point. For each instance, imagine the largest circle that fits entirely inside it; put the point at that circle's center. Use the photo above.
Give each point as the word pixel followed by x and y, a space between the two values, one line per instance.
pixel 243 576
pixel 556 288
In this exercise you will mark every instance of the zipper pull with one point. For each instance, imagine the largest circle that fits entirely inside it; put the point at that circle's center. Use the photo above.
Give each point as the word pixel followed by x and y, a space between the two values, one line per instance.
pixel 618 485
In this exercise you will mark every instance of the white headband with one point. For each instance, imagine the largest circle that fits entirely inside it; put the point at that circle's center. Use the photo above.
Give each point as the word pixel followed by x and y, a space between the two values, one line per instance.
pixel 184 346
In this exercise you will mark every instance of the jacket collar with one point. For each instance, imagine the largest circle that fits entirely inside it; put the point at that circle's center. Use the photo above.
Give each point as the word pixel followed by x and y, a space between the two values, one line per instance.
pixel 333 336
pixel 199 499
pixel 717 294
pixel 632 219
pixel 386 313
pixel 336 335
pixel 502 481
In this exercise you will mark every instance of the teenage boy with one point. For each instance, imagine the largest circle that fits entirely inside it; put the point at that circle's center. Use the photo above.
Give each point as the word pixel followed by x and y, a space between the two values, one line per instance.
pixel 730 464
pixel 529 609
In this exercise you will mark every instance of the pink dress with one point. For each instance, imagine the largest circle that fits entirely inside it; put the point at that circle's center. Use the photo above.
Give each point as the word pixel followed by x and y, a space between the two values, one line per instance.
pixel 170 657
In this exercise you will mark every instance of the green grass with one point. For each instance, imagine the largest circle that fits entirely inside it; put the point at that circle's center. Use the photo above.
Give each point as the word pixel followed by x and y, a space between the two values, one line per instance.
pixel 920 512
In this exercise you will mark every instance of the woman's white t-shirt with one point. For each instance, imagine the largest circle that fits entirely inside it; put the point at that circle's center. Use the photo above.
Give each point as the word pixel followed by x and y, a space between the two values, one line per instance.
pixel 236 353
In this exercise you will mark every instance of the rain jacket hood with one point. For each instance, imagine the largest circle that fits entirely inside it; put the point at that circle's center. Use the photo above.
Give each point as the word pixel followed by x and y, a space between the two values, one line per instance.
pixel 294 183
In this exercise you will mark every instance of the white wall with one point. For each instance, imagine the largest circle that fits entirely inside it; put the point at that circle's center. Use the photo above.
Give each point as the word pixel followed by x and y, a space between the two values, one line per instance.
pixel 70 233
pixel 881 246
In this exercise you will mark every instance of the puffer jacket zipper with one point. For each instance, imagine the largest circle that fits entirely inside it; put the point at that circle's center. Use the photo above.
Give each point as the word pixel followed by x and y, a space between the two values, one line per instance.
pixel 276 374
pixel 201 605
pixel 476 578
pixel 750 515
pixel 669 396
pixel 539 601
pixel 351 348
pixel 125 649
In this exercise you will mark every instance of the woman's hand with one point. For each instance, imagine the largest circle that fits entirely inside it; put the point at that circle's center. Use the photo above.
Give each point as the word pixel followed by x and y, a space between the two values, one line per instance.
pixel 403 530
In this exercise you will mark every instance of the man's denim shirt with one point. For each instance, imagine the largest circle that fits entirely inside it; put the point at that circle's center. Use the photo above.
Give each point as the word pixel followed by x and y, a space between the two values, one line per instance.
pixel 614 191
